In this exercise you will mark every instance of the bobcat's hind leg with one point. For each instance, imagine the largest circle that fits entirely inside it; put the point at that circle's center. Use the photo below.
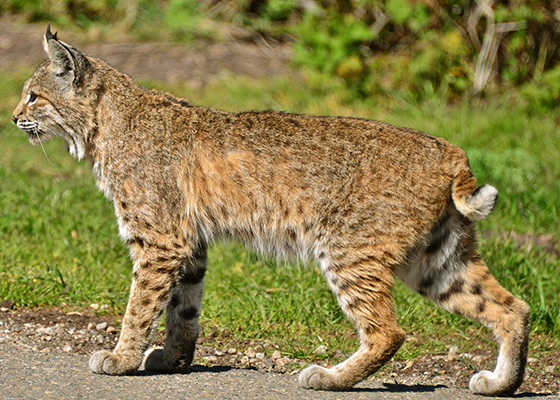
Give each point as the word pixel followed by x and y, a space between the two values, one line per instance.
pixel 181 322
pixel 364 293
pixel 450 272
pixel 476 294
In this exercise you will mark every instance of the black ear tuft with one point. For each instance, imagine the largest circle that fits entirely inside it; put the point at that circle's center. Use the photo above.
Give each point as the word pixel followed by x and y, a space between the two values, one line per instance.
pixel 49 35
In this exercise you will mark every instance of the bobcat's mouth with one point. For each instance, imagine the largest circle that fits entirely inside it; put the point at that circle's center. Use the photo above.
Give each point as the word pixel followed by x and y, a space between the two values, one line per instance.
pixel 32 130
pixel 28 127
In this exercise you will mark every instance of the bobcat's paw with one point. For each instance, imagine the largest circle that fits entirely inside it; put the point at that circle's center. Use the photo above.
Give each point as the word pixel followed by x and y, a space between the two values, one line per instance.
pixel 155 360
pixel 105 362
pixel 490 384
pixel 319 378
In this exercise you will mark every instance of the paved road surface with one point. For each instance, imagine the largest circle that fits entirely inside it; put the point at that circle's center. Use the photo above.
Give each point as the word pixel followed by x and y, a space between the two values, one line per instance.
pixel 35 375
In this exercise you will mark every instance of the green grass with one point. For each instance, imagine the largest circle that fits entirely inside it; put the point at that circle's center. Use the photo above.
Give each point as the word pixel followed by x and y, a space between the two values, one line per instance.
pixel 59 242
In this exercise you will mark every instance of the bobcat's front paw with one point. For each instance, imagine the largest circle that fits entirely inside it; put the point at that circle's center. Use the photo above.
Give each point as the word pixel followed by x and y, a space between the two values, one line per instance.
pixel 490 384
pixel 319 378
pixel 156 360
pixel 105 362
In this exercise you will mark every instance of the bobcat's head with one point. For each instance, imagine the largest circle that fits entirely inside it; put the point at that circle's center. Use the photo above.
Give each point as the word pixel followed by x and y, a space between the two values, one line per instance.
pixel 59 99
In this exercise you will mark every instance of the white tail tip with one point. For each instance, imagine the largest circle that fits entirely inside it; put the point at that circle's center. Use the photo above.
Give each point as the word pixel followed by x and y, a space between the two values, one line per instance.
pixel 480 204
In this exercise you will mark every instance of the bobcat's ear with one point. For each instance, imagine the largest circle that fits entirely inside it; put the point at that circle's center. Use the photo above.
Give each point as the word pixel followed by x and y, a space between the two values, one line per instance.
pixel 66 61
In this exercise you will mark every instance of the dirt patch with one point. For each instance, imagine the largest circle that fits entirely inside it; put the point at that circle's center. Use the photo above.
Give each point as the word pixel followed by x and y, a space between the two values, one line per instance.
pixel 242 54
pixel 548 243
pixel 82 332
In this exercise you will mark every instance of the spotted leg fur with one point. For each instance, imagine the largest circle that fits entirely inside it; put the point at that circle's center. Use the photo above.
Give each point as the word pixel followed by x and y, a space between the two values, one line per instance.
pixel 363 289
pixel 449 271
pixel 155 269
pixel 181 324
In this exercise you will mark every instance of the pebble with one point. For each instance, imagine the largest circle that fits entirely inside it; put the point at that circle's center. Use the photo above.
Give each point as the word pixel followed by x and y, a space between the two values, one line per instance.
pixel 67 348
pixel 277 354
pixel 259 356
pixel 452 355
pixel 232 351
pixel 7 305
pixel 322 349
pixel 219 353
pixel 48 331
pixel 282 362
pixel 91 325
pixel 409 364
pixel 96 306
pixel 212 359
pixel 111 329
pixel 250 353
pixel 101 326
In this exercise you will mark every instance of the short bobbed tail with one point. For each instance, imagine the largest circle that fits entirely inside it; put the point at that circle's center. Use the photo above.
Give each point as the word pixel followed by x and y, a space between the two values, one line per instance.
pixel 474 202
pixel 479 204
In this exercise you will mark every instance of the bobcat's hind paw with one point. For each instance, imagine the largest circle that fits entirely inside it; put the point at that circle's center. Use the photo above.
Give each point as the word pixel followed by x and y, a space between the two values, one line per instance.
pixel 105 362
pixel 319 378
pixel 488 383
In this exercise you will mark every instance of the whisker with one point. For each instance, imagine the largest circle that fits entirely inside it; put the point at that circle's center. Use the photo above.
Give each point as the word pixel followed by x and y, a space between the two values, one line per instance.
pixel 43 147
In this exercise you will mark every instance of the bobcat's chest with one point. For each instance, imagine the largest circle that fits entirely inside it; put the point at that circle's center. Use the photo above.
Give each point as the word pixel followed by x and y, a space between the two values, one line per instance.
pixel 101 179
pixel 106 189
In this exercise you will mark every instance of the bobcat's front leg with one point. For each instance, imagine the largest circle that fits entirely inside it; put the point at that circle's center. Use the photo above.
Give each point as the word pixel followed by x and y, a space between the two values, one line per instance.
pixel 181 324
pixel 155 269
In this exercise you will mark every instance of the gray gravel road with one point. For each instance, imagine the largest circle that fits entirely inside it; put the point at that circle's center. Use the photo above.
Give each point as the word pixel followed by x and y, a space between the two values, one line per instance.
pixel 35 375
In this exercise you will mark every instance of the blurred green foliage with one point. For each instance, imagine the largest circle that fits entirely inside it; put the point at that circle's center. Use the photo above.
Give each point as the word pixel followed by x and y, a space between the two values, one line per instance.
pixel 331 44
pixel 543 94
pixel 412 48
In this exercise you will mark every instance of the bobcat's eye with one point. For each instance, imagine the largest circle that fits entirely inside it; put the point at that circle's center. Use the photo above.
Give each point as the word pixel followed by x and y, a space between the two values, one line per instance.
pixel 31 98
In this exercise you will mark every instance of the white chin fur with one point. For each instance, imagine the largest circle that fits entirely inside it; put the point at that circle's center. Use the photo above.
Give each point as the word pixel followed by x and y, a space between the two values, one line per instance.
pixel 76 150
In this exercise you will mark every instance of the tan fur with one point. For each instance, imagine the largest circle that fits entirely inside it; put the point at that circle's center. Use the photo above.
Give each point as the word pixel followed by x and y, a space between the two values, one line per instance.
pixel 367 200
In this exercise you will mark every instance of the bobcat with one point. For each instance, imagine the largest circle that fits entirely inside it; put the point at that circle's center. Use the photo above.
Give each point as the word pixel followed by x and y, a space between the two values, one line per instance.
pixel 367 200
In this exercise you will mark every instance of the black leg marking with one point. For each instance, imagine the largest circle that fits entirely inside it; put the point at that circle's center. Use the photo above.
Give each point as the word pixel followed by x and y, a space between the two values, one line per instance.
pixel 189 313
pixel 456 287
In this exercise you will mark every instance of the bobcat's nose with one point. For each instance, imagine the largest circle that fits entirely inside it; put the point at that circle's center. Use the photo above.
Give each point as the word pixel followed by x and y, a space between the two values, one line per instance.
pixel 14 118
